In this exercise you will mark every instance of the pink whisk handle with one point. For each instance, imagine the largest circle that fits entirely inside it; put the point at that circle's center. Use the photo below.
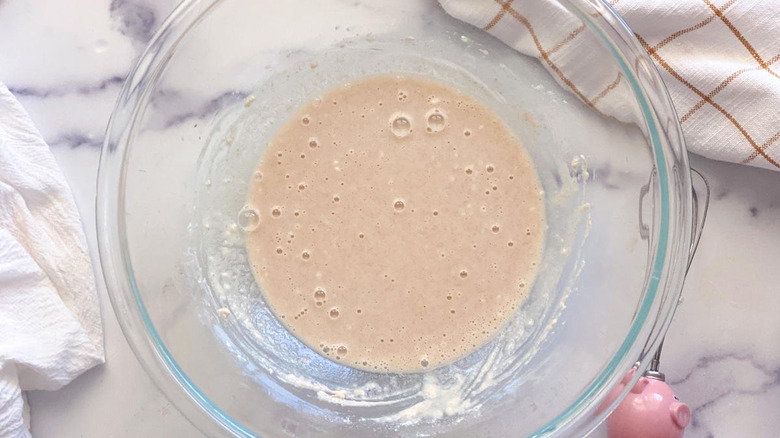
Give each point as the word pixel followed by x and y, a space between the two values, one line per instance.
pixel 650 410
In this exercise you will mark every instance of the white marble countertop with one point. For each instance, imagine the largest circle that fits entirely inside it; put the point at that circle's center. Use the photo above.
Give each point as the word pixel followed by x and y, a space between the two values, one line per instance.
pixel 66 61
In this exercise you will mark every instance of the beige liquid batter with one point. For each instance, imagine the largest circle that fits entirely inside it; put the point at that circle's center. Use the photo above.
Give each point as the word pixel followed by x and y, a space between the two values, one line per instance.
pixel 400 224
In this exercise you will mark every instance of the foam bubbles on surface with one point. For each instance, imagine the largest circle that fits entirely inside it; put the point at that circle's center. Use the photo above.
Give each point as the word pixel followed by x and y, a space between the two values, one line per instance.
pixel 390 238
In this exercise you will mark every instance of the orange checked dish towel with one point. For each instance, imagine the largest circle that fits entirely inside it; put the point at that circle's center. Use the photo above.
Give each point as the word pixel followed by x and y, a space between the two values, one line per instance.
pixel 718 58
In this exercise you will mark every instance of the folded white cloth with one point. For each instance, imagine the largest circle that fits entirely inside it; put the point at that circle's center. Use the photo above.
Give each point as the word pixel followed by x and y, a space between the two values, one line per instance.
pixel 50 326
pixel 718 58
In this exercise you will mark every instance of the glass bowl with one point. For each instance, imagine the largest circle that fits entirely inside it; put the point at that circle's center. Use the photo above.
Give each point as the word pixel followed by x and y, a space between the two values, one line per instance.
pixel 191 123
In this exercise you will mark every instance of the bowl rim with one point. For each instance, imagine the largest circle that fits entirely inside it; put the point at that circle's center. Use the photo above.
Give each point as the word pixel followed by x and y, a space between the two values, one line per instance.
pixel 664 280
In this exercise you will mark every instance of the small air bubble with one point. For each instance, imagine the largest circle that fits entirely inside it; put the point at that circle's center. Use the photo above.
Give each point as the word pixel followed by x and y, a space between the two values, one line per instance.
pixel 435 213
pixel 400 125
pixel 342 351
pixel 305 255
pixel 469 171
pixel 305 120
pixel 467 133
pixel 490 168
pixel 276 212
pixel 248 218
pixel 424 363
pixel 313 143
pixel 464 274
pixel 495 229
pixel 510 243
pixel 301 186
pixel 336 198
pixel 399 205
pixel 319 294
pixel 436 120
pixel 279 250
pixel 334 313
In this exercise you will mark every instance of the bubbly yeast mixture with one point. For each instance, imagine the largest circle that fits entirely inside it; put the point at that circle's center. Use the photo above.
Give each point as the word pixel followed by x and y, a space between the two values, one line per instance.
pixel 399 224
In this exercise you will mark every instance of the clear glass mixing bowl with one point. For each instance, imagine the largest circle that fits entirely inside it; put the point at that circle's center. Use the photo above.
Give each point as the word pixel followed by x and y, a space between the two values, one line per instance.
pixel 194 118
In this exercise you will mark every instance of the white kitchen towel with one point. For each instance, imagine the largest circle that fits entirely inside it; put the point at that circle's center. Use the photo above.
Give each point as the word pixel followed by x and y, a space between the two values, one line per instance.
pixel 50 326
pixel 718 58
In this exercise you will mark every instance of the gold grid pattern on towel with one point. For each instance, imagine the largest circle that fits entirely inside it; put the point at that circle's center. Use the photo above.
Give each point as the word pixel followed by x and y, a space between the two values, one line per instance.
pixel 717 13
